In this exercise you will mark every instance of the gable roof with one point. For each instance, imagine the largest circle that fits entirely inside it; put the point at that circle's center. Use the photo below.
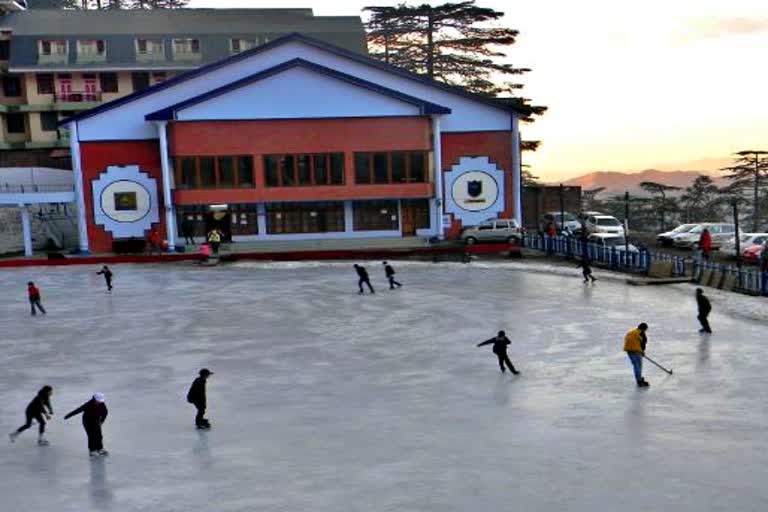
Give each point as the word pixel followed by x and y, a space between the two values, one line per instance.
pixel 169 113
pixel 363 59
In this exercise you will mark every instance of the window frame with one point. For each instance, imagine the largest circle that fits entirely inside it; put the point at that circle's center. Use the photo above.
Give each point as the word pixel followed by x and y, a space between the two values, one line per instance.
pixel 38 83
pixel 15 115
pixel 48 113
pixel 6 84
pixel 273 164
pixel 408 172
pixel 103 82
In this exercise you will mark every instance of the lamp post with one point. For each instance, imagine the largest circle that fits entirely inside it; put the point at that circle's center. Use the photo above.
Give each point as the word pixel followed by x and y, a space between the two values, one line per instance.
pixel 562 209
pixel 735 205
pixel 626 223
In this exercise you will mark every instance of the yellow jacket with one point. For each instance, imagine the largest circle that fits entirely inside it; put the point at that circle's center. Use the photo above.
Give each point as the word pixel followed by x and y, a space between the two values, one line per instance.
pixel 633 341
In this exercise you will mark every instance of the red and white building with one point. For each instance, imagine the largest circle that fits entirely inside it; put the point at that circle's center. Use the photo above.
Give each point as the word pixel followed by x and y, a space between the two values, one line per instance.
pixel 294 139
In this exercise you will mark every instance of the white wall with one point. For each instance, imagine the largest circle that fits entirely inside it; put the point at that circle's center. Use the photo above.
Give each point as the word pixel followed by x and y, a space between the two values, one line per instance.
pixel 127 121
pixel 298 93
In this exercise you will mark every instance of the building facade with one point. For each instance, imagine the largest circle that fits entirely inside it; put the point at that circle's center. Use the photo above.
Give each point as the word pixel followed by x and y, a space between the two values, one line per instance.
pixel 55 63
pixel 294 139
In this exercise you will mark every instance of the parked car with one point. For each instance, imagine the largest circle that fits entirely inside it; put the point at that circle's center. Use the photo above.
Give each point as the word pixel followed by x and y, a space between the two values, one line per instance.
pixel 752 254
pixel 603 224
pixel 493 230
pixel 572 223
pixel 611 240
pixel 746 240
pixel 667 239
pixel 720 232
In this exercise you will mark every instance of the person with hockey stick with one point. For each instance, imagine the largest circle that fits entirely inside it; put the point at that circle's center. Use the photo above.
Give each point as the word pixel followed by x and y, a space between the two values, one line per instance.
pixel 634 345
pixel 705 307
pixel 390 273
pixel 39 409
pixel 107 276
pixel 94 413
pixel 362 274
pixel 500 343
pixel 197 397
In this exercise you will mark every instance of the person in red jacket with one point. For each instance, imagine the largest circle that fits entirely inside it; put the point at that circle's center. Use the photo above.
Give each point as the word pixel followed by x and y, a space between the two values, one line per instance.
pixel 34 298
pixel 705 243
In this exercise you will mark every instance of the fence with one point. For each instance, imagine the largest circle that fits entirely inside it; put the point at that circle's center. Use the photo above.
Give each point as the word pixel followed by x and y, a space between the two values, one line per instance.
pixel 617 258
pixel 7 188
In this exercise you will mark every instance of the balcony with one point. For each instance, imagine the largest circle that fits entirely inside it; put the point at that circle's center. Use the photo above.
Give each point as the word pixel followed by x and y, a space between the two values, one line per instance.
pixel 78 97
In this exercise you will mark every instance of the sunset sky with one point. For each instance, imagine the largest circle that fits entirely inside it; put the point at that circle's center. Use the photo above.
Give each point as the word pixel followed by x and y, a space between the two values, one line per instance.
pixel 666 84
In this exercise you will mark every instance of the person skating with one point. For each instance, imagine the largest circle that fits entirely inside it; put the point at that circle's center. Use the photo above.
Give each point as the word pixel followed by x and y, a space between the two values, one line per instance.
pixel 634 345
pixel 107 276
pixel 586 270
pixel 39 409
pixel 500 343
pixel 704 309
pixel 390 273
pixel 214 238
pixel 94 413
pixel 187 231
pixel 34 298
pixel 363 275
pixel 196 396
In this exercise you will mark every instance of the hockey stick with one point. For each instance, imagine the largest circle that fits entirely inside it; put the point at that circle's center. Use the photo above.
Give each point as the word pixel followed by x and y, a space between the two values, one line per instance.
pixel 657 364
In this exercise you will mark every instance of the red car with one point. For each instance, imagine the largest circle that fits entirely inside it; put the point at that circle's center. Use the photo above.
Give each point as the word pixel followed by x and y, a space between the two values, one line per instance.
pixel 752 254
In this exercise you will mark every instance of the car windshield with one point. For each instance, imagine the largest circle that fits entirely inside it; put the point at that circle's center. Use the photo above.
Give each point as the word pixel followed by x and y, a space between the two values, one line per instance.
pixel 759 239
pixel 696 229
pixel 684 228
pixel 568 217
pixel 607 221
pixel 614 241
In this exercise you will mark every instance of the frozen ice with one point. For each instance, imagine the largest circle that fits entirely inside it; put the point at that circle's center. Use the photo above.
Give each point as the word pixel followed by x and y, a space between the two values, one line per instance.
pixel 325 400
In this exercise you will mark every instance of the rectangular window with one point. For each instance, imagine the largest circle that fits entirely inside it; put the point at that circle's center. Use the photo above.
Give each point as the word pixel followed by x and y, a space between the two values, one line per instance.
pixel 417 168
pixel 375 216
pixel 15 123
pixel 380 171
pixel 304 169
pixel 186 173
pixel 271 176
pixel 159 76
pixel 44 83
pixel 93 47
pixel 142 46
pixel 140 80
pixel 240 45
pixel 317 217
pixel 150 49
pixel 337 168
pixel 362 168
pixel 245 171
pixel 399 174
pixel 125 201
pixel 226 171
pixel 287 170
pixel 5 49
pixel 48 121
pixel 108 82
pixel 207 172
pixel 186 47
pixel 320 164
pixel 49 48
pixel 11 86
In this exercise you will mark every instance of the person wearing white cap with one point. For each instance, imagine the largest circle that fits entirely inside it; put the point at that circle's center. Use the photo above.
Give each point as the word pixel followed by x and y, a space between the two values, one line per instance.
pixel 94 413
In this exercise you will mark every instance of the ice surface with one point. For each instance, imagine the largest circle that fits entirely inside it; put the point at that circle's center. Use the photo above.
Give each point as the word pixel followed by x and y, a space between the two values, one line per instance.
pixel 324 400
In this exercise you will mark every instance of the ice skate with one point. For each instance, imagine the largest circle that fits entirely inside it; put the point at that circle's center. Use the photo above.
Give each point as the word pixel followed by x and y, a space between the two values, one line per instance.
pixel 42 442
pixel 103 453
pixel 94 454
pixel 13 435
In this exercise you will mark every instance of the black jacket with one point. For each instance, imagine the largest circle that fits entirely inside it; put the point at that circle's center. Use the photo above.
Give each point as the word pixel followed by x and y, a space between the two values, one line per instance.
pixel 704 306
pixel 39 404
pixel 362 272
pixel 389 271
pixel 499 344
pixel 196 394
pixel 107 274
pixel 94 413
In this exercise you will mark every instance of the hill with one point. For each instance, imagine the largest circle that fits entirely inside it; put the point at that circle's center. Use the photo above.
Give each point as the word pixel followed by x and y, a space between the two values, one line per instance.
pixel 618 182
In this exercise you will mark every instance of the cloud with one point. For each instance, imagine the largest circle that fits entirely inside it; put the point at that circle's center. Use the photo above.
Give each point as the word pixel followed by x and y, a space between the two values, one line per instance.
pixel 716 28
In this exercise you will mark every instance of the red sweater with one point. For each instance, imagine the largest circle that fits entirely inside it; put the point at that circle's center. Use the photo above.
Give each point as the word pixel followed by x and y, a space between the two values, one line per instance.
pixel 34 293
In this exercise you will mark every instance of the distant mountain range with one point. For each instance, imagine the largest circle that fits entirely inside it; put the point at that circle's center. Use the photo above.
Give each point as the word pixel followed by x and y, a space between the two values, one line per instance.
pixel 619 182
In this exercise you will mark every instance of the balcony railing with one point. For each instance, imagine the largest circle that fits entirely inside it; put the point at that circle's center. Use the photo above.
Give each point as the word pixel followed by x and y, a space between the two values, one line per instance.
pixel 7 188
pixel 78 96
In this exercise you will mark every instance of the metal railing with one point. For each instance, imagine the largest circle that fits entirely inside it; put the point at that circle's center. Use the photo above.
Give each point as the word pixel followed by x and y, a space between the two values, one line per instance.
pixel 750 280
pixel 7 188
pixel 78 96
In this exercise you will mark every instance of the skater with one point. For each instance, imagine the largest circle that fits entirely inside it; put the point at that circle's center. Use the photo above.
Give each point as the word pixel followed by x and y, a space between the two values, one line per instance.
pixel 363 275
pixel 390 273
pixel 38 409
pixel 107 276
pixel 186 231
pixel 500 343
pixel 705 244
pixel 634 345
pixel 196 396
pixel 34 298
pixel 704 309
pixel 586 270
pixel 94 413
pixel 214 238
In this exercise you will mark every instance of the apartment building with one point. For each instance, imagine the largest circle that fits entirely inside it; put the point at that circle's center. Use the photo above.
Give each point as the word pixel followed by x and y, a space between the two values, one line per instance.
pixel 55 63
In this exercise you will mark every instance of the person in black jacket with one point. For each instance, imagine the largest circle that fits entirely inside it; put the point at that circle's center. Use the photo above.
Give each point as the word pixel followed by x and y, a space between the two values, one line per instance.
pixel 390 273
pixel 586 270
pixel 363 275
pixel 107 276
pixel 38 409
pixel 500 343
pixel 704 309
pixel 94 413
pixel 196 396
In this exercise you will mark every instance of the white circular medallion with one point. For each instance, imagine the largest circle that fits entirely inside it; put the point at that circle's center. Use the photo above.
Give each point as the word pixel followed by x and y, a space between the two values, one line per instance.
pixel 475 191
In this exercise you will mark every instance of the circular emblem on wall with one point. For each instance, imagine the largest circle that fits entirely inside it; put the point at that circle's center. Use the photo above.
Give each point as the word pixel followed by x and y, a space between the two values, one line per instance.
pixel 475 191
pixel 125 201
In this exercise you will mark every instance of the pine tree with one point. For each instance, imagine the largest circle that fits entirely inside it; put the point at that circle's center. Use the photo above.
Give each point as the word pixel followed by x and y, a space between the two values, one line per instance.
pixel 748 172
pixel 455 43
pixel 701 201
pixel 660 203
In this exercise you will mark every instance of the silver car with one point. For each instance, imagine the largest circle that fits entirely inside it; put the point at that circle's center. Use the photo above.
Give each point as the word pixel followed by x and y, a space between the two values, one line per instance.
pixel 493 230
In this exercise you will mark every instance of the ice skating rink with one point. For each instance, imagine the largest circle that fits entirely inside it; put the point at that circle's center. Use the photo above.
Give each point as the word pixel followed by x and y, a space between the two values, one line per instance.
pixel 327 401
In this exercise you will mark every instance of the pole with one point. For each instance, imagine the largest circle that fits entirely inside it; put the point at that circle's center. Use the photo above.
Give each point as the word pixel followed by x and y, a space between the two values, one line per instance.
pixel 738 238
pixel 626 223
pixel 562 210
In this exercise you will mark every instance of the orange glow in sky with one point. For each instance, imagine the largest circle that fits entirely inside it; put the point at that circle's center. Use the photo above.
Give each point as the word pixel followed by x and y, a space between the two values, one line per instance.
pixel 666 84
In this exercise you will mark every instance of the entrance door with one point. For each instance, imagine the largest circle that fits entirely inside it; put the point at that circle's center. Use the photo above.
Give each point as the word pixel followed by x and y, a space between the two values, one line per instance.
pixel 408 219
pixel 65 89
pixel 90 89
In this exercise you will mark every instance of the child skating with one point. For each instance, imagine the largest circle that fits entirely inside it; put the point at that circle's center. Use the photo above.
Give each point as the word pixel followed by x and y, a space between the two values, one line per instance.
pixel 197 397
pixel 586 270
pixel 33 292
pixel 362 274
pixel 500 343
pixel 39 409
pixel 94 413
pixel 390 273
pixel 107 276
